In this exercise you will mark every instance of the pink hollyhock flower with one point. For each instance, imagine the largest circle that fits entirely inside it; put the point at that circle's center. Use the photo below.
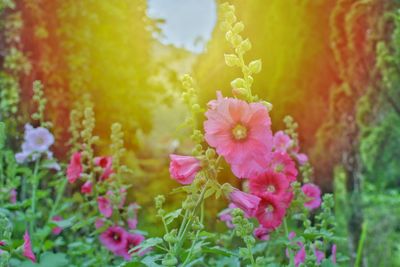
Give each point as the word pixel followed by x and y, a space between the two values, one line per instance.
pixel 57 230
pixel 320 255
pixel 282 142
pixel 122 192
pixel 246 202
pixel 114 238
pixel 105 206
pixel 106 164
pixel 241 133
pixel 87 188
pixel 99 223
pixel 13 196
pixel 132 240
pixel 269 183
pixel 282 163
pixel 183 168
pixel 132 215
pixel 226 215
pixel 314 193
pixel 74 169
pixel 270 211
pixel 333 257
pixel 300 256
pixel 2 243
pixel 261 233
pixel 27 248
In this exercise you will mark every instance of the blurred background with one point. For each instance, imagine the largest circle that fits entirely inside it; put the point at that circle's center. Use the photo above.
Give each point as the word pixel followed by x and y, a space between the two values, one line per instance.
pixel 334 65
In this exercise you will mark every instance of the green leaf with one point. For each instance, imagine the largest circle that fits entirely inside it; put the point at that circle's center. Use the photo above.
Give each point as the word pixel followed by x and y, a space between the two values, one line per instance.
pixel 49 259
pixel 170 217
pixel 219 251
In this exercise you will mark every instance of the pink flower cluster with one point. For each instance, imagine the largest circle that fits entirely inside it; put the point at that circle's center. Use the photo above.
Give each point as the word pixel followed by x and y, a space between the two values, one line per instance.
pixel 241 133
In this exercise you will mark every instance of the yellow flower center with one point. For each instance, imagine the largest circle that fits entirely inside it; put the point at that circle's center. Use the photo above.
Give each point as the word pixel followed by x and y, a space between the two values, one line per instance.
pixel 271 188
pixel 239 132
pixel 269 209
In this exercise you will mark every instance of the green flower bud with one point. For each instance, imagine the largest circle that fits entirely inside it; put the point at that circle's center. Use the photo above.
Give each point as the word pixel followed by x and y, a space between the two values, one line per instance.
pixel 238 28
pixel 238 83
pixel 232 60
pixel 239 92
pixel 255 66
pixel 169 260
pixel 210 153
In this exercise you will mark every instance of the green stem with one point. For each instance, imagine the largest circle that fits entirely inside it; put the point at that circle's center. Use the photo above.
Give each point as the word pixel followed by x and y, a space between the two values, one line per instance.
pixel 60 193
pixel 33 198
pixel 361 244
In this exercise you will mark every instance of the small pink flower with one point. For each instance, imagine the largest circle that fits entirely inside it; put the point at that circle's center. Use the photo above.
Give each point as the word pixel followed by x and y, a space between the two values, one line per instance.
pixel 106 164
pixel 57 230
pixel 99 223
pixel 282 142
pixel 261 233
pixel 314 194
pixel 122 193
pixel 241 133
pixel 270 212
pixel 2 243
pixel 183 168
pixel 283 163
pixel 320 255
pixel 269 183
pixel 27 248
pixel 246 202
pixel 301 158
pixel 300 256
pixel 87 188
pixel 132 215
pixel 75 168
pixel 132 240
pixel 105 206
pixel 114 238
pixel 13 196
pixel 333 257
pixel 226 215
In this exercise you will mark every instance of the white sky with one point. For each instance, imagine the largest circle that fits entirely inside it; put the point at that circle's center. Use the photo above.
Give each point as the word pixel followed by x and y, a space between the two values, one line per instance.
pixel 186 20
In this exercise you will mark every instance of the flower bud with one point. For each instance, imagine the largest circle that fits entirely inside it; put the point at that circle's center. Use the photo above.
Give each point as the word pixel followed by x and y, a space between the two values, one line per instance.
pixel 231 60
pixel 255 66
pixel 238 27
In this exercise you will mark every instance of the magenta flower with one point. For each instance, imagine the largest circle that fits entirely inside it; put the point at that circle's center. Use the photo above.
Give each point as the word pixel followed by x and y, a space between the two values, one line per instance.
pixel 132 240
pixel 241 133
pixel 106 164
pixel 132 215
pixel 281 162
pixel 183 168
pixel 13 196
pixel 320 255
pixel 75 168
pixel 313 193
pixel 2 243
pixel 246 202
pixel 270 212
pixel 99 223
pixel 57 230
pixel 333 257
pixel 27 248
pixel 269 183
pixel 261 233
pixel 105 206
pixel 300 256
pixel 114 238
pixel 87 188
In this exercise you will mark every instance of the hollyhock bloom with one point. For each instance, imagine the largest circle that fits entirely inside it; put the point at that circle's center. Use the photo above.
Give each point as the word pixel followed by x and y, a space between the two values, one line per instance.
pixel 106 164
pixel 105 206
pixel 261 233
pixel 75 168
pixel 132 215
pixel 314 194
pixel 320 255
pixel 13 196
pixel 99 223
pixel 270 211
pixel 282 142
pixel 2 243
pixel 114 238
pixel 27 248
pixel 246 202
pixel 183 168
pixel 300 256
pixel 241 133
pixel 269 183
pixel 132 240
pixel 87 188
pixel 333 257
pixel 57 230
pixel 282 163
